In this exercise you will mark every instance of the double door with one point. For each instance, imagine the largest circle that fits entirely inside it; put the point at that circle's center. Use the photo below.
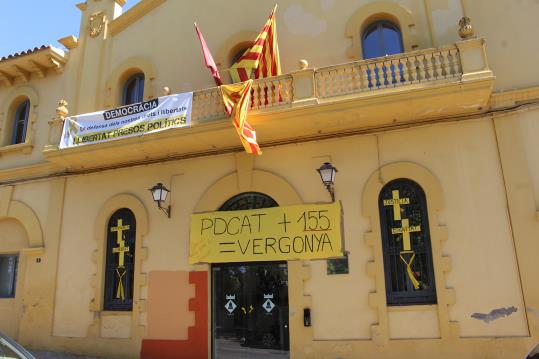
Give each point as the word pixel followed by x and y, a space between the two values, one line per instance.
pixel 250 310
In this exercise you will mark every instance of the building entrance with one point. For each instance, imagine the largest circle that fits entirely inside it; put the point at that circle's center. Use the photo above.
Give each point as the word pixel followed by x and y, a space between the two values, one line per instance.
pixel 250 310
pixel 250 300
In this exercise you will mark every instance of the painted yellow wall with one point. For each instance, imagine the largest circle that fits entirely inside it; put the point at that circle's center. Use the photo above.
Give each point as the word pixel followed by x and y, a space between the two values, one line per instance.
pixel 508 26
pixel 460 155
pixel 529 127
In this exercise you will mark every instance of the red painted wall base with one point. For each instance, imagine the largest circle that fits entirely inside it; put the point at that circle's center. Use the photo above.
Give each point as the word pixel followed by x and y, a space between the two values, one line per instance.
pixel 196 346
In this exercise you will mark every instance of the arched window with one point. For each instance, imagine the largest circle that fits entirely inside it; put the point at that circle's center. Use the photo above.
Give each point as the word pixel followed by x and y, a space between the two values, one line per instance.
pixel 20 122
pixel 237 55
pixel 404 222
pixel 381 38
pixel 8 275
pixel 120 261
pixel 248 200
pixel 133 89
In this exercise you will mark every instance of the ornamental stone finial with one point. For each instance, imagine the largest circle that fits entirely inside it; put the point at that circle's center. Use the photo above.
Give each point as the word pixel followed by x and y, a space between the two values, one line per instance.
pixel 55 126
pixel 466 29
pixel 61 110
pixel 303 64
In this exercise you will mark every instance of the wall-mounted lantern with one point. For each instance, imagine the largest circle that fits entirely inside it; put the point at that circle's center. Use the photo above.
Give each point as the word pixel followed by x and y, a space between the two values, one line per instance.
pixel 327 175
pixel 159 194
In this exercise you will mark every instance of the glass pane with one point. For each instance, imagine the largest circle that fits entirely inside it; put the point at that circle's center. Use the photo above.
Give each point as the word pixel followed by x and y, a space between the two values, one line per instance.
pixel 120 261
pixel 8 273
pixel 406 244
pixel 372 44
pixel 134 90
pixel 392 43
pixel 381 39
pixel 20 121
pixel 250 311
pixel 139 95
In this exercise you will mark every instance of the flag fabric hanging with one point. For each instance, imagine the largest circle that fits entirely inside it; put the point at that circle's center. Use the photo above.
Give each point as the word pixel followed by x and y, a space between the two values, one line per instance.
pixel 237 100
pixel 208 58
pixel 262 58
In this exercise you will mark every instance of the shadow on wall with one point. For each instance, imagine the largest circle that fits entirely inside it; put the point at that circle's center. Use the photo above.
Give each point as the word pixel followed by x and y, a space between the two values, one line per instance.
pixel 534 354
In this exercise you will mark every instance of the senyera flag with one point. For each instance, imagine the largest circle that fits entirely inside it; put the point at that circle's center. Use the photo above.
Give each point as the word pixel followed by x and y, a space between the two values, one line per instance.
pixel 237 99
pixel 262 58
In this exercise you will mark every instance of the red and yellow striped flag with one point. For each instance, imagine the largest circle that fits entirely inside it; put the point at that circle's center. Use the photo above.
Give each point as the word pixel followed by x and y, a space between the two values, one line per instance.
pixel 237 99
pixel 262 58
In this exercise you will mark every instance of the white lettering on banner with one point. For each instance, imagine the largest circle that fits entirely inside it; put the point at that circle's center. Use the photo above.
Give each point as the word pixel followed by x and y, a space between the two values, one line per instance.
pixel 156 115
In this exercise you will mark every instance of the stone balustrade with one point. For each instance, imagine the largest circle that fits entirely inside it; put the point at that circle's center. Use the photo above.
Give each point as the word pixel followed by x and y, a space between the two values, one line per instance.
pixel 388 72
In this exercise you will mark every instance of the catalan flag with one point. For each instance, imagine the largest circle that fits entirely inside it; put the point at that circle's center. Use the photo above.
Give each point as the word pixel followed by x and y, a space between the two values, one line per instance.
pixel 237 100
pixel 262 58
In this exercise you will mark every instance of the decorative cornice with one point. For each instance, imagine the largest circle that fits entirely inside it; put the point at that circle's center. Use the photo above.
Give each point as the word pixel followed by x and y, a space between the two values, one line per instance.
pixel 35 61
pixel 132 15
pixel 82 6
pixel 70 42
pixel 33 171
pixel 513 97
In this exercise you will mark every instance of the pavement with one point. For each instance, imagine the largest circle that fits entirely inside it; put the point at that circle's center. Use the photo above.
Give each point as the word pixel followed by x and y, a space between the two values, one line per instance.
pixel 51 355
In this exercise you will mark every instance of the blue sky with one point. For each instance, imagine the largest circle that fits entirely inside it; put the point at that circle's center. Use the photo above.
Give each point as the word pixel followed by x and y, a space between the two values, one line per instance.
pixel 27 24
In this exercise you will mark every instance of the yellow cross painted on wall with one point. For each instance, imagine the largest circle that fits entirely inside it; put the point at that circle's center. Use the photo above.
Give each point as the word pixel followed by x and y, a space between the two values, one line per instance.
pixel 121 249
pixel 405 230
pixel 396 202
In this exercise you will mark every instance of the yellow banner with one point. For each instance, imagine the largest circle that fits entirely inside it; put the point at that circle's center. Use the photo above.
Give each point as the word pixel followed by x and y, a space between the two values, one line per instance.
pixel 311 231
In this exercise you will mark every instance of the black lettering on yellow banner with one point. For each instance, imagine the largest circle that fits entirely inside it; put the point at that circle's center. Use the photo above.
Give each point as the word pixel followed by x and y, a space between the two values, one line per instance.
pixel 281 233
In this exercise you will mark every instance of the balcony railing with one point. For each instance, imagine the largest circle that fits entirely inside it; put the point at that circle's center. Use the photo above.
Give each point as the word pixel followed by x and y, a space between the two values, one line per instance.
pixel 266 93
pixel 387 72
pixel 419 67
pixel 463 62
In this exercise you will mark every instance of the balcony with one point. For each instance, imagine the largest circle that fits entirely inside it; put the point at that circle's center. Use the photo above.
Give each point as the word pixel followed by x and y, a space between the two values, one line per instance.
pixel 308 104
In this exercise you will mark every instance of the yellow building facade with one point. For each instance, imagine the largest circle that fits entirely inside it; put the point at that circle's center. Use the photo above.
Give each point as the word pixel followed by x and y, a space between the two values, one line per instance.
pixel 451 119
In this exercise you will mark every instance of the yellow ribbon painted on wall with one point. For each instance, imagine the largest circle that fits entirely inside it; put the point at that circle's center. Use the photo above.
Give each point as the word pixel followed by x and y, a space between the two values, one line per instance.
pixel 311 231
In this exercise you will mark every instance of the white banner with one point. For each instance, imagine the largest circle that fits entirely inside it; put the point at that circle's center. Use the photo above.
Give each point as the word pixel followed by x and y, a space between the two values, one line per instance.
pixel 137 119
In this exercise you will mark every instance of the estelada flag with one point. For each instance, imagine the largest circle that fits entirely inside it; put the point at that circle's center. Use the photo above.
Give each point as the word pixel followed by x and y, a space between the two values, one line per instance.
pixel 208 58
pixel 262 58
pixel 237 100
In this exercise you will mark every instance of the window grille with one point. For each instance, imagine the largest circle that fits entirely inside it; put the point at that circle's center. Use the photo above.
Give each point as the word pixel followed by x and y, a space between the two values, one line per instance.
pixel 120 261
pixel 248 200
pixel 406 245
